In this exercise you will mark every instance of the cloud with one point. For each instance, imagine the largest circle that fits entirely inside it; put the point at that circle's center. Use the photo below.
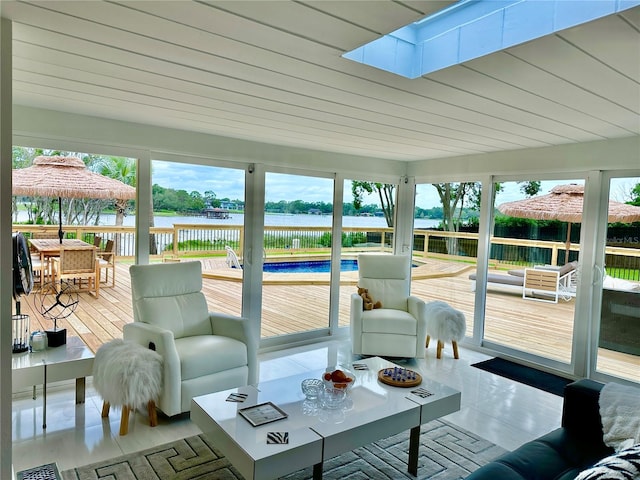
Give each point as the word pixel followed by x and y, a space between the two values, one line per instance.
pixel 229 183
pixel 427 195
pixel 225 182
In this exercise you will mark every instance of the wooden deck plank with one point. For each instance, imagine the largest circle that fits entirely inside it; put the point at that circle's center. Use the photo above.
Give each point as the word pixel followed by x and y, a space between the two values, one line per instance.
pixel 537 327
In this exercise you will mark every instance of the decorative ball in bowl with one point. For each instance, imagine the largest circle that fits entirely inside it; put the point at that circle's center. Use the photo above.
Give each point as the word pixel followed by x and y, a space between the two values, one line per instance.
pixel 338 378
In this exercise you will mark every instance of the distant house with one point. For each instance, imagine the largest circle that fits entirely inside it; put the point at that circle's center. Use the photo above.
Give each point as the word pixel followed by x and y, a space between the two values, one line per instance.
pixel 229 205
pixel 315 211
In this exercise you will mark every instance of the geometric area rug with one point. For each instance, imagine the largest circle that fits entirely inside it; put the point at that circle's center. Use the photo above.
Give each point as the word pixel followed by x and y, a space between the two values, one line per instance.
pixel 447 452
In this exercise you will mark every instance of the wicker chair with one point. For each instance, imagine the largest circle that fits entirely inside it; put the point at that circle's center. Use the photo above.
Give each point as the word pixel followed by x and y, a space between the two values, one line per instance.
pixel 44 235
pixel 107 261
pixel 78 263
pixel 40 266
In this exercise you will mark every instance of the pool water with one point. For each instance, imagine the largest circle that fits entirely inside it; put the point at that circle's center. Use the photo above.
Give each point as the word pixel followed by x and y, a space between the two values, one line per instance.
pixel 311 266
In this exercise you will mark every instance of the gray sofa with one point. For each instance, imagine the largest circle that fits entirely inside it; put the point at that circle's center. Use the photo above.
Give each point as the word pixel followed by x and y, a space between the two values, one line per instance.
pixel 563 453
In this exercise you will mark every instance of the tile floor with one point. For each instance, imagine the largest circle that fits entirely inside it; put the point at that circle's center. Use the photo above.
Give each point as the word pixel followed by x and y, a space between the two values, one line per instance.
pixel 502 411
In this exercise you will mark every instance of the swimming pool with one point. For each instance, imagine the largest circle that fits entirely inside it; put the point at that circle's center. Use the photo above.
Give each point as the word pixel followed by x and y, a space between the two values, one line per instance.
pixel 310 266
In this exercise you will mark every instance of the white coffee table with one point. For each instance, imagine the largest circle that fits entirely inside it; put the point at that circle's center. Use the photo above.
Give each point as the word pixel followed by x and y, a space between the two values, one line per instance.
pixel 372 411
pixel 66 362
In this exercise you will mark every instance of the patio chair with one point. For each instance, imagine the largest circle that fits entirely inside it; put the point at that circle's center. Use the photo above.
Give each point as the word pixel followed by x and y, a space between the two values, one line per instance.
pixel 45 235
pixel 541 285
pixel 107 261
pixel 78 264
pixel 232 258
pixel 399 328
pixel 514 281
pixel 38 269
pixel 203 352
pixel 168 257
pixel 39 266
pixel 549 282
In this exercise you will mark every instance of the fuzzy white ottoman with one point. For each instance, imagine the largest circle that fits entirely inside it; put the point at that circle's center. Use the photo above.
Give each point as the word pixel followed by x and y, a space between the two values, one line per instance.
pixel 130 375
pixel 446 324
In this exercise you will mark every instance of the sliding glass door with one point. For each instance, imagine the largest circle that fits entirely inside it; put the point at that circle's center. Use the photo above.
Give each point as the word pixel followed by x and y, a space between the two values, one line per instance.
pixel 297 253
pixel 545 299
pixel 445 244
pixel 367 227
pixel 618 340
pixel 197 214
pixel 533 268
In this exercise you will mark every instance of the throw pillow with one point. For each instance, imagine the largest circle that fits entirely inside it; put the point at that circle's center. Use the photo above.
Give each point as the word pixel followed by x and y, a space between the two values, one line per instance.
pixel 624 465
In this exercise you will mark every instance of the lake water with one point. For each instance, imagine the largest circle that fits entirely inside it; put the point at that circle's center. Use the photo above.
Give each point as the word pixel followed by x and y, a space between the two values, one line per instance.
pixel 272 220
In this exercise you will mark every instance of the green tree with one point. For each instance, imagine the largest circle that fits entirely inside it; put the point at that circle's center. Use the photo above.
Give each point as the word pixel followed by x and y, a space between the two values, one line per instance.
pixel 40 210
pixel 122 169
pixel 635 196
pixel 456 196
pixel 44 210
pixel 196 202
pixel 452 197
pixel 385 192
pixel 297 207
pixel 530 188
pixel 210 199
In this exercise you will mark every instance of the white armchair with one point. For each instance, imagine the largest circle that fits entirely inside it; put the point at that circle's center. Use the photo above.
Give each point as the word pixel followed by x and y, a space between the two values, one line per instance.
pixel 399 328
pixel 202 352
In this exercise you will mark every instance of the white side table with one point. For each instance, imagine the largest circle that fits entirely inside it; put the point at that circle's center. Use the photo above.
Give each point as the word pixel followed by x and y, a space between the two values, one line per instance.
pixel 66 362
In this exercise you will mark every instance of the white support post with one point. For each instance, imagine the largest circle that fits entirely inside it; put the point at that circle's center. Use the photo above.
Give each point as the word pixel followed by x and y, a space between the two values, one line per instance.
pixel 144 204
pixel 6 246
pixel 336 254
pixel 253 242
pixel 484 247
pixel 404 213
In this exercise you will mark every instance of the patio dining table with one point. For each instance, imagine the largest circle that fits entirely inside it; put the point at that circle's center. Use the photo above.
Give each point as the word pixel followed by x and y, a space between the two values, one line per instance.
pixel 50 247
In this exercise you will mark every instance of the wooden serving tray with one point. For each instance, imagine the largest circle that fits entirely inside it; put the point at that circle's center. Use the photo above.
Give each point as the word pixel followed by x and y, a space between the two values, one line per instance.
pixel 399 377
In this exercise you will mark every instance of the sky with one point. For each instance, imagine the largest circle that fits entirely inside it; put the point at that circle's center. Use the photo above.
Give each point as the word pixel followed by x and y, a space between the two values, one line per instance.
pixel 226 182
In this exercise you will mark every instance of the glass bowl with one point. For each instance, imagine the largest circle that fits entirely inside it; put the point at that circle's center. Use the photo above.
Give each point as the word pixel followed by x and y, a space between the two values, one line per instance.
pixel 343 381
pixel 332 397
pixel 311 387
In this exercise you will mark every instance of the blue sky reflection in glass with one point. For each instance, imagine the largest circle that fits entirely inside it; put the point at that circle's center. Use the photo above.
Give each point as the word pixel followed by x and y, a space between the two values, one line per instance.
pixel 470 29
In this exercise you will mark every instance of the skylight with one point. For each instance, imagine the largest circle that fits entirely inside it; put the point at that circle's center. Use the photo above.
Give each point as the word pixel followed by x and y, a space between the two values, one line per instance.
pixel 470 29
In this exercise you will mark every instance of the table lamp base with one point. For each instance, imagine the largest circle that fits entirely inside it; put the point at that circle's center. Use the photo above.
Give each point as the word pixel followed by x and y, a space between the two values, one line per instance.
pixel 55 338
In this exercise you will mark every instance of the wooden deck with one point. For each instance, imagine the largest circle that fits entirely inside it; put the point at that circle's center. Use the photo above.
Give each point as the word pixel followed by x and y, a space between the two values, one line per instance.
pixel 292 304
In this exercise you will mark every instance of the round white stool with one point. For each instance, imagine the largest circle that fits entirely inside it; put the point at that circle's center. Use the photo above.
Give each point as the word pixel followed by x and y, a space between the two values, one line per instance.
pixel 130 375
pixel 446 324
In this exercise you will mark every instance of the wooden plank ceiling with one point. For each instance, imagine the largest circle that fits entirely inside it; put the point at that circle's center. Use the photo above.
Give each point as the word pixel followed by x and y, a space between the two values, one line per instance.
pixel 272 71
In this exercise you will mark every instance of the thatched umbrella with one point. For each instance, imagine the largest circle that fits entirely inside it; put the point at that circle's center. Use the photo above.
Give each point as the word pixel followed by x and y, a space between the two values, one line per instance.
pixel 564 203
pixel 68 177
